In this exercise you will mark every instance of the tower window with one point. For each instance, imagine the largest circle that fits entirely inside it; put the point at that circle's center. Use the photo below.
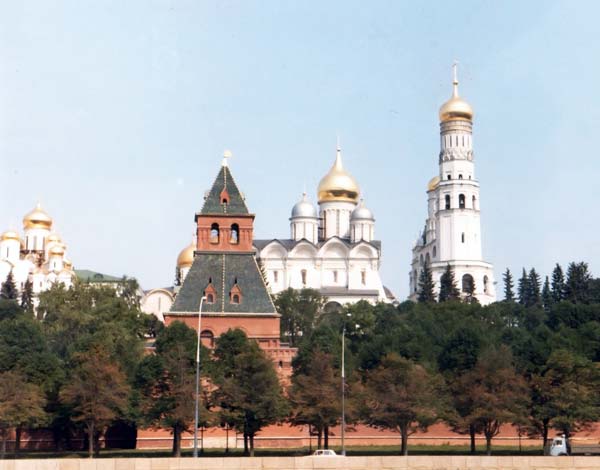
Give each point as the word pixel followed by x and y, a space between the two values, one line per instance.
pixel 210 299
pixel 485 284
pixel 235 234
pixel 303 276
pixel 235 299
pixel 459 177
pixel 462 237
pixel 335 276
pixel 447 198
pixel 363 277
pixel 449 177
pixel 468 284
pixel 461 201
pixel 275 276
pixel 214 233
pixel 434 251
pixel 474 200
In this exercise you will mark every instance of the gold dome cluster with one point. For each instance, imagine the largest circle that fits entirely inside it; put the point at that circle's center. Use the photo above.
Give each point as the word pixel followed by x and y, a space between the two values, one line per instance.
pixel 456 107
pixel 338 184
pixel 37 218
pixel 186 257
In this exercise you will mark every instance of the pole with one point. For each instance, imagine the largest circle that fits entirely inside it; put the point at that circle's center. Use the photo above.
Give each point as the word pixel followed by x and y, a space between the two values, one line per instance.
pixel 343 391
pixel 197 378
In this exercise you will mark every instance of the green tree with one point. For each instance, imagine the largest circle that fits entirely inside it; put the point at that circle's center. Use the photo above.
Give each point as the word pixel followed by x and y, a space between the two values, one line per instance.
pixel 21 405
pixel 27 297
pixel 547 299
pixel 524 290
pixel 299 311
pixel 534 287
pixel 577 287
pixel 448 289
pixel 97 391
pixel 558 284
pixel 315 396
pixel 249 394
pixel 564 395
pixel 8 290
pixel 495 391
pixel 426 292
pixel 509 294
pixel 166 382
pixel 402 396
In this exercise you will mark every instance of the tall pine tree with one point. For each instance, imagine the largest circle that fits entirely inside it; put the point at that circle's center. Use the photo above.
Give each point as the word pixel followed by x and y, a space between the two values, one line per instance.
pixel 448 289
pixel 27 297
pixel 547 299
pixel 509 294
pixel 426 293
pixel 558 283
pixel 9 290
pixel 523 290
pixel 535 284
pixel 577 287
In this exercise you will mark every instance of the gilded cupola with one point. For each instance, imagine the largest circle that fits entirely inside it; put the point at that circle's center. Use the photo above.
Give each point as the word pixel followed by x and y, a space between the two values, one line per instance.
pixel 37 218
pixel 186 256
pixel 338 184
pixel 455 107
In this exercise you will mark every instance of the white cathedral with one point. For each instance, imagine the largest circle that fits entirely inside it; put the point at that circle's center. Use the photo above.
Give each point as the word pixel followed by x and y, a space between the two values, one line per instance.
pixel 452 232
pixel 39 256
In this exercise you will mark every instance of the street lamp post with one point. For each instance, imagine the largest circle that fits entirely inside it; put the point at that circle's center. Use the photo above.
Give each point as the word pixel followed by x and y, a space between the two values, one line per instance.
pixel 202 299
pixel 344 387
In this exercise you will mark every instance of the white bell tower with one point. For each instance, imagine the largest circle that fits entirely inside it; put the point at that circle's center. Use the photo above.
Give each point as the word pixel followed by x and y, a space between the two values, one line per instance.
pixel 452 233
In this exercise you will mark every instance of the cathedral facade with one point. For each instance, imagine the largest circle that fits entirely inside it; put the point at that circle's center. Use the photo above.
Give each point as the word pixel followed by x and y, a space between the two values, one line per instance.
pixel 39 256
pixel 332 249
pixel 452 232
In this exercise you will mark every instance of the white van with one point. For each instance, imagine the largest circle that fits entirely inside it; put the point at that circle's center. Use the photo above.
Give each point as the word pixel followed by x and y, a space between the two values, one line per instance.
pixel 325 453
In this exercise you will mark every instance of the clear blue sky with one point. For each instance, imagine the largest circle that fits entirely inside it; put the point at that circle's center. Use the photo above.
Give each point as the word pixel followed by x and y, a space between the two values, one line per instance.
pixel 115 115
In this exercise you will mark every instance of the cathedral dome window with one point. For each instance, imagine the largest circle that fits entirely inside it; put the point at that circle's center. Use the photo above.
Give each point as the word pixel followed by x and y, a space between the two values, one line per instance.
pixel 460 177
pixel 303 276
pixel 462 237
pixel 335 277
pixel 214 233
pixel 485 284
pixel 461 201
pixel 434 252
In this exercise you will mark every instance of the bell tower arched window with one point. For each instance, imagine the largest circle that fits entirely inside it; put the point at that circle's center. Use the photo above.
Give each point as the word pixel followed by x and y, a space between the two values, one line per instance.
pixel 474 202
pixel 461 201
pixel 214 233
pixel 447 199
pixel 235 234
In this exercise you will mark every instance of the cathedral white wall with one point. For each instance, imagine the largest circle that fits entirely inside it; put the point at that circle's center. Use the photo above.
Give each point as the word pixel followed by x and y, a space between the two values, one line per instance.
pixel 157 302
pixel 35 238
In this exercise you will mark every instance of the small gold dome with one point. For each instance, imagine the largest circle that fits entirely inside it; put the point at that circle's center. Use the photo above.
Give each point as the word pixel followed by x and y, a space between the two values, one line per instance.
pixel 186 257
pixel 57 250
pixel 10 235
pixel 433 183
pixel 338 184
pixel 37 218
pixel 53 238
pixel 455 107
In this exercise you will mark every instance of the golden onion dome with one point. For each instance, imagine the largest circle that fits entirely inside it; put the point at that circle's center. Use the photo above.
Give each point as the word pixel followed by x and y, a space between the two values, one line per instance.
pixel 433 183
pixel 338 184
pixel 10 235
pixel 67 263
pixel 456 107
pixel 186 257
pixel 37 218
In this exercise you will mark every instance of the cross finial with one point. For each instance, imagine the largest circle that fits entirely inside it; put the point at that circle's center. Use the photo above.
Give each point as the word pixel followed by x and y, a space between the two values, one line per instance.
pixel 338 145
pixel 455 78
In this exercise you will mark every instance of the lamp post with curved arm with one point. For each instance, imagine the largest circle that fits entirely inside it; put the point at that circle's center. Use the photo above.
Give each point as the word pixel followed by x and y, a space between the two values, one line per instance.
pixel 202 299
